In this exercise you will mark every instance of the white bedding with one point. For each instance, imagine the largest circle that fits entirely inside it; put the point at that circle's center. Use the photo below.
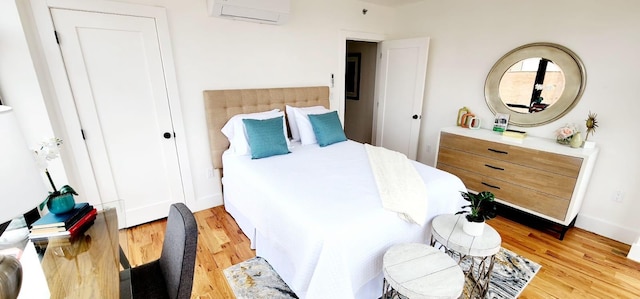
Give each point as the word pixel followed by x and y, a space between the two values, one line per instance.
pixel 316 216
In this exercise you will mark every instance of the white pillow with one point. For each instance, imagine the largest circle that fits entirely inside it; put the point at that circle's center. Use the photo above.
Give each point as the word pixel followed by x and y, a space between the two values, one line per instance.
pixel 235 131
pixel 304 125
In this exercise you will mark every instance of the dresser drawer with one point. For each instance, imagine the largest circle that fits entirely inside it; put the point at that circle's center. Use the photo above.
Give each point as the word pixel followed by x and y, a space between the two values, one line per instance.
pixel 549 162
pixel 516 174
pixel 531 199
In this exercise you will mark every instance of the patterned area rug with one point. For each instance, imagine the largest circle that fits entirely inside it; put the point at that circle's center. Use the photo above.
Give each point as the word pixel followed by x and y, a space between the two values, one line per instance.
pixel 255 278
pixel 511 274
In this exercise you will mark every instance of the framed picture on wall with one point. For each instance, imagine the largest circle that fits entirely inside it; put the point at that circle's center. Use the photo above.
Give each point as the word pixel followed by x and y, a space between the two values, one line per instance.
pixel 352 76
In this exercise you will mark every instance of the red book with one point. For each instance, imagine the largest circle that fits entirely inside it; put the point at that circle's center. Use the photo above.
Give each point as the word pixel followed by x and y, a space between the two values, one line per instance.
pixel 89 217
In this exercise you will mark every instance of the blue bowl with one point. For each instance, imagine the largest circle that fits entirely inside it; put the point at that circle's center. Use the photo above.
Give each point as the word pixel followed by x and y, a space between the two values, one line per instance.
pixel 61 204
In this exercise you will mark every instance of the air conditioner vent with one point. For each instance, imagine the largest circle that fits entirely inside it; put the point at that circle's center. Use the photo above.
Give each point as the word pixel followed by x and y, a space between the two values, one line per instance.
pixel 261 11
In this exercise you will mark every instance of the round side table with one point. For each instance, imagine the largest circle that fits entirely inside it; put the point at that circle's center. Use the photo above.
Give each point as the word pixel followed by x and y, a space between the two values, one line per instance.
pixel 475 255
pixel 419 271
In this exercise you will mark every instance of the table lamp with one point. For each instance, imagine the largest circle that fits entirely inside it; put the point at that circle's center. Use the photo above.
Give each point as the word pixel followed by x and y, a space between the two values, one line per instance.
pixel 21 189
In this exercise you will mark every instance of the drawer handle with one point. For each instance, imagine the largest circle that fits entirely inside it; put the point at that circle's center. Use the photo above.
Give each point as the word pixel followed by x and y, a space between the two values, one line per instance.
pixel 491 186
pixel 498 151
pixel 494 167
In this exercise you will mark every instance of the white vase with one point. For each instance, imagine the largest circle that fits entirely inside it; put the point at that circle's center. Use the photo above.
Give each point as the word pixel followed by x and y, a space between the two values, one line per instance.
pixel 473 228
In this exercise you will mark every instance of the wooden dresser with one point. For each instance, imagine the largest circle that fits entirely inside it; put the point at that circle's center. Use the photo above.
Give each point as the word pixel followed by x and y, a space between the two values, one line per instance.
pixel 534 175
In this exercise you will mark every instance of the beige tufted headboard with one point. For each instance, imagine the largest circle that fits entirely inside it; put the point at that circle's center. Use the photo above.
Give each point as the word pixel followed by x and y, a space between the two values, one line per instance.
pixel 221 105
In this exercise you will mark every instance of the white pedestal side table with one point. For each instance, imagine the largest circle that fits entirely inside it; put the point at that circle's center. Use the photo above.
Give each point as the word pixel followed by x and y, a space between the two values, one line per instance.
pixel 419 271
pixel 475 255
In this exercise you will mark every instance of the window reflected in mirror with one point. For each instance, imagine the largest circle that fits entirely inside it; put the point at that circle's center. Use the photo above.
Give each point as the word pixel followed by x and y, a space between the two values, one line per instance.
pixel 535 84
pixel 531 85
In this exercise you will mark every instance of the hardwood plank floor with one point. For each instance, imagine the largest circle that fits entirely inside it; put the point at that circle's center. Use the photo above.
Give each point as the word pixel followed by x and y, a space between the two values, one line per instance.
pixel 584 265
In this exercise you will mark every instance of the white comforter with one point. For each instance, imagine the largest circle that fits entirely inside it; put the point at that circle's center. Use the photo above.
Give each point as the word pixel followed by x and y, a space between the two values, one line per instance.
pixel 316 216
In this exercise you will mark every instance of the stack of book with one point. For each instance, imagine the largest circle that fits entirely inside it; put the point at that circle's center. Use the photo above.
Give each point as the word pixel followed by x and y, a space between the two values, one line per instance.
pixel 514 133
pixel 68 224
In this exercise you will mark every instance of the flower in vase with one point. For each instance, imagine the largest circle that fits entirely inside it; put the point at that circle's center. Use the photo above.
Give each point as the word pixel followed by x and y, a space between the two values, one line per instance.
pixel 49 150
pixel 565 133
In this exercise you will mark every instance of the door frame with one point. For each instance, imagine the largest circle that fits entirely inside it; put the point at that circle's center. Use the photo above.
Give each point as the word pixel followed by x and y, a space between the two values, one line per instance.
pixel 58 97
pixel 340 77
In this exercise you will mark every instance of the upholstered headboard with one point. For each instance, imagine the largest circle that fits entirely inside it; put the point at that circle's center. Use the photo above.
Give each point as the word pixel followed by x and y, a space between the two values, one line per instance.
pixel 221 105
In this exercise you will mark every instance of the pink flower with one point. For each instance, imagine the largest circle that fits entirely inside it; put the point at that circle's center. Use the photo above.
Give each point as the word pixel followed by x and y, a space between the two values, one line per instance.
pixel 567 131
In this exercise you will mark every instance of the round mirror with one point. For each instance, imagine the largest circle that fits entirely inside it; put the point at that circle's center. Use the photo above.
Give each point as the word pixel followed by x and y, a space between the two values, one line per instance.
pixel 535 84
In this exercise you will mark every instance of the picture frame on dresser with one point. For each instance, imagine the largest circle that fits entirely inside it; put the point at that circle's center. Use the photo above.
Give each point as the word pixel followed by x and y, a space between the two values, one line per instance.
pixel 501 122
pixel 535 176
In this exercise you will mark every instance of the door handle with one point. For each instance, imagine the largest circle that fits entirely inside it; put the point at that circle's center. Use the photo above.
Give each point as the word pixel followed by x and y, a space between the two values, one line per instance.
pixel 494 167
pixel 415 116
pixel 166 135
pixel 490 186
pixel 498 151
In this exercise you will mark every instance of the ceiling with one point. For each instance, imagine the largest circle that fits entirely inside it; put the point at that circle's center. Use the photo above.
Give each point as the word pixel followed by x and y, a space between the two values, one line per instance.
pixel 391 2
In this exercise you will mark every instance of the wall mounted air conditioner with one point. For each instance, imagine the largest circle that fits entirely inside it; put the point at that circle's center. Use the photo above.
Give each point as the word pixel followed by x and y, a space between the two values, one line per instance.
pixel 261 11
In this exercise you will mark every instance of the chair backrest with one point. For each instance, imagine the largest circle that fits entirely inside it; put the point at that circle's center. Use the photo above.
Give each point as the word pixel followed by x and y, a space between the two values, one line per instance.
pixel 178 256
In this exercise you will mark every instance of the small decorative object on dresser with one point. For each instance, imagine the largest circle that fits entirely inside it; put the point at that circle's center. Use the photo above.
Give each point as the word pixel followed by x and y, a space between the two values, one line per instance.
pixel 501 122
pixel 576 140
pixel 514 134
pixel 58 201
pixel 461 112
pixel 566 133
pixel 591 124
pixel 482 206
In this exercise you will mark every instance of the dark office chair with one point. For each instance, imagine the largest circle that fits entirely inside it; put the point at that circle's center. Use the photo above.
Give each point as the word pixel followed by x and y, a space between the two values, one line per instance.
pixel 171 276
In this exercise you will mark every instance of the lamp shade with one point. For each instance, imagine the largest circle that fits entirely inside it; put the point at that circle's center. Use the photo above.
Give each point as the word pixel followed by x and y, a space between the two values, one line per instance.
pixel 21 185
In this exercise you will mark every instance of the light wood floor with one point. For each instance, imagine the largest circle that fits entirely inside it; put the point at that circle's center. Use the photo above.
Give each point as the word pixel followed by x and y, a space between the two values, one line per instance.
pixel 584 265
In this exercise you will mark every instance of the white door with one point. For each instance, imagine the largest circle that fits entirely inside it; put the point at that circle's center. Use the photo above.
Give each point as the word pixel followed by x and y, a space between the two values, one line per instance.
pixel 113 64
pixel 400 92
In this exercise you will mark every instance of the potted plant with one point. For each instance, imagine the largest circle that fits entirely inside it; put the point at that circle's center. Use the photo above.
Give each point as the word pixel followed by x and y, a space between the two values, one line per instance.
pixel 482 206
pixel 58 201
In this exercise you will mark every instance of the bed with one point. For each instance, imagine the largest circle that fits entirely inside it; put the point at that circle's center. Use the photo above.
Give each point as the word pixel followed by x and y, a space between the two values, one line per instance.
pixel 315 213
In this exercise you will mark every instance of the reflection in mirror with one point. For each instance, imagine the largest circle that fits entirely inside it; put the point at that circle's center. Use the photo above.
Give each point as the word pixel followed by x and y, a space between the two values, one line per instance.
pixel 531 85
pixel 535 84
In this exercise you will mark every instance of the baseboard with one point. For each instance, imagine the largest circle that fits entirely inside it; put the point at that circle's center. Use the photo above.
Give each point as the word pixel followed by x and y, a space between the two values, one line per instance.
pixel 634 253
pixel 604 228
pixel 205 202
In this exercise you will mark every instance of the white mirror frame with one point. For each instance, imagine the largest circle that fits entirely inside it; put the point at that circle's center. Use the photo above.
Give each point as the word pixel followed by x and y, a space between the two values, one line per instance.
pixel 575 82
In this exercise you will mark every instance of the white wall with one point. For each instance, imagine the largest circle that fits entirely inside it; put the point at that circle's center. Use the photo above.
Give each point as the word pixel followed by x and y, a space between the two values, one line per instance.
pixel 469 36
pixel 215 53
pixel 19 87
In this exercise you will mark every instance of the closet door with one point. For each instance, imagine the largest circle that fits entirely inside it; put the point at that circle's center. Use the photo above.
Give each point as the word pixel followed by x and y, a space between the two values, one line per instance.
pixel 400 89
pixel 114 67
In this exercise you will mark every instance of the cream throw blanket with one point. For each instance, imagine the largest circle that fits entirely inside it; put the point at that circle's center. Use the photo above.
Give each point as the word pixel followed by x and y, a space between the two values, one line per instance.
pixel 401 188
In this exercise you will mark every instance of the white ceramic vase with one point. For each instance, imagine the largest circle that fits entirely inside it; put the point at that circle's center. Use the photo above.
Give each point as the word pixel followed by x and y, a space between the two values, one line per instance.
pixel 473 228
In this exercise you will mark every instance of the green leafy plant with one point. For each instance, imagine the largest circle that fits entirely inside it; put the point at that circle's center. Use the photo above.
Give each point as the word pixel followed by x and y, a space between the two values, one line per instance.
pixel 482 206
pixel 49 150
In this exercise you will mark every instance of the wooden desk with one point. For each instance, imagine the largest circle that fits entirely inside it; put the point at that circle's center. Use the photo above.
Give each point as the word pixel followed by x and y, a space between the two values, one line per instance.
pixel 88 266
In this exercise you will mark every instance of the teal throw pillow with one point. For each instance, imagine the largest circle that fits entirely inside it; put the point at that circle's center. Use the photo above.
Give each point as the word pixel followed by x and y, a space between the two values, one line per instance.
pixel 266 137
pixel 327 128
